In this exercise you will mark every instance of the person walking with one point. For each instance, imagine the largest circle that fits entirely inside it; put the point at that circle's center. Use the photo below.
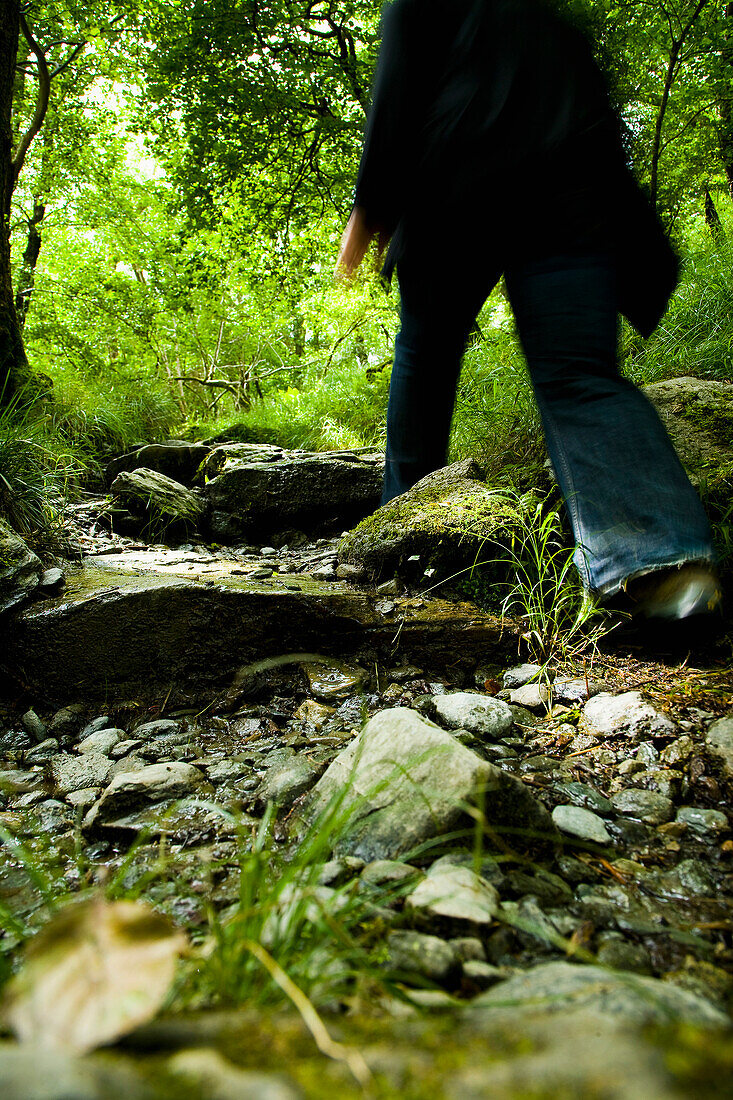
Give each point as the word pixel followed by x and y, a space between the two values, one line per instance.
pixel 491 148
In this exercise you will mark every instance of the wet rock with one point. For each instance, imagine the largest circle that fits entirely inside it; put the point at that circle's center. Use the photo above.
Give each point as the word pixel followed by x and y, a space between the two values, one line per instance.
pixel 15 781
pixel 298 488
pixel 581 794
pixel 420 955
pixel 534 697
pixel 102 741
pixel 574 692
pixel 521 675
pixel 67 721
pixel 679 751
pixel 646 753
pixel 100 723
pixel 20 569
pixel 84 798
pixel 647 806
pixel 584 824
pixel 214 1077
pixel 454 894
pixel 701 821
pixel 691 877
pixel 335 681
pixel 52 582
pixel 313 715
pixel 619 954
pixel 628 715
pixel 558 986
pixel 719 740
pixel 449 519
pixel 403 780
pixel 33 725
pixel 480 714
pixel 72 773
pixel 176 458
pixel 130 791
pixel 42 752
pixel 284 783
pixel 353 573
pixel 14 742
pixel 161 727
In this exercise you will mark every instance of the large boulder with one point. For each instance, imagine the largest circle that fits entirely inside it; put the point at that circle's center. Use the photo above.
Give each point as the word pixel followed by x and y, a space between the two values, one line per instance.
pixel 698 414
pixel 449 520
pixel 176 458
pixel 255 488
pixel 155 505
pixel 20 569
pixel 403 781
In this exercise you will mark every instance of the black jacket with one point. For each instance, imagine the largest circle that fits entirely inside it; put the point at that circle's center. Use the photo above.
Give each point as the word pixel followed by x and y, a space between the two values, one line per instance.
pixel 491 123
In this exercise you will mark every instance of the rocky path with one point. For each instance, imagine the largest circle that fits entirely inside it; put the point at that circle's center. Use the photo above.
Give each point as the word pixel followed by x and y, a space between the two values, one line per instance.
pixel 534 867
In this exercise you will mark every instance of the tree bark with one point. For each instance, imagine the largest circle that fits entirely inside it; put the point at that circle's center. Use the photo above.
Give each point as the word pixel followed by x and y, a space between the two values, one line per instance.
pixel 725 102
pixel 712 218
pixel 27 273
pixel 13 362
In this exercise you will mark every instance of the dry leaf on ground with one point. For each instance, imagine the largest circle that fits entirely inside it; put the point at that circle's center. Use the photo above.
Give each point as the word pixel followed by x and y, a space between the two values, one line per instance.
pixel 95 972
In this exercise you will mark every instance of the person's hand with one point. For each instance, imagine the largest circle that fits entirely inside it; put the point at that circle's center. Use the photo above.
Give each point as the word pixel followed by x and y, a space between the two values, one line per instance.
pixel 354 245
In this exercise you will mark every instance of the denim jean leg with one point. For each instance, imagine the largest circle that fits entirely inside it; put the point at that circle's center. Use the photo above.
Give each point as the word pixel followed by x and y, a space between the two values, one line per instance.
pixel 427 360
pixel 631 505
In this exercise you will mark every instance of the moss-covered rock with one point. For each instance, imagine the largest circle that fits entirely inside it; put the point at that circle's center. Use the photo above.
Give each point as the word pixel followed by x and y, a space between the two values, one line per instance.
pixel 20 569
pixel 154 504
pixel 450 520
pixel 698 414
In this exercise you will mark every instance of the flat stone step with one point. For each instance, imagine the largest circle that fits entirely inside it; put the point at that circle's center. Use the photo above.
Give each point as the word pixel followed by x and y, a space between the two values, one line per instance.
pixel 138 624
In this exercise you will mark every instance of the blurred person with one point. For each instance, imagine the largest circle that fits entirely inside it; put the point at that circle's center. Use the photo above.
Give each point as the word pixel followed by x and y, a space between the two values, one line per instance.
pixel 491 148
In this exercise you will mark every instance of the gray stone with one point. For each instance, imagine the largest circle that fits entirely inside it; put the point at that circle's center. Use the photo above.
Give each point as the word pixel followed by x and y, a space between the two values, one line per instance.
pixel 161 727
pixel 52 582
pixel 646 753
pixel 679 751
pixel 468 948
pixel 619 954
pixel 131 791
pixel 480 714
pixel 584 824
pixel 84 798
pixel 15 781
pixel 33 725
pixel 66 722
pixel 123 748
pixel 299 488
pixel 719 740
pixel 691 877
pixel 559 986
pixel 535 697
pixel 43 751
pixel 418 954
pixel 482 974
pixel 333 681
pixel 389 873
pixel 215 1078
pixel 100 723
pixel 285 782
pixel 449 519
pixel 521 675
pixel 701 821
pixel 156 504
pixel 102 741
pixel 37 1072
pixel 647 806
pixel 573 692
pixel 454 894
pixel 626 715
pixel 581 794
pixel 403 781
pixel 73 773
pixel 20 569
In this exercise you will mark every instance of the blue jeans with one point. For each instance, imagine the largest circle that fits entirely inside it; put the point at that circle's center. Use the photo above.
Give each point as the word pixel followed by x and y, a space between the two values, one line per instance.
pixel 630 503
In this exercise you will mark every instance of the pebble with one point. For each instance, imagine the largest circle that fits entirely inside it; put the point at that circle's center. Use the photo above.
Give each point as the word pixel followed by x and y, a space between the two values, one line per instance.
pixel 418 954
pixel 161 727
pixel 628 714
pixel 454 893
pixel 703 822
pixel 646 753
pixel 719 740
pixel 100 723
pixel 73 773
pixel 52 581
pixel 482 974
pixel 582 794
pixel 535 697
pixel 679 751
pixel 66 722
pixel 646 806
pixel 584 824
pixel 43 751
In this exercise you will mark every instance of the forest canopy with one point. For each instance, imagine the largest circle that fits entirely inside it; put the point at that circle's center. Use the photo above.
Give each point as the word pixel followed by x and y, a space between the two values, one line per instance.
pixel 175 177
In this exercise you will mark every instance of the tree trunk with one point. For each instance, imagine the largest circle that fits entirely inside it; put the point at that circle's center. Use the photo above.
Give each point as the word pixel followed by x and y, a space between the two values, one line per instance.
pixel 13 363
pixel 725 103
pixel 27 274
pixel 712 217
